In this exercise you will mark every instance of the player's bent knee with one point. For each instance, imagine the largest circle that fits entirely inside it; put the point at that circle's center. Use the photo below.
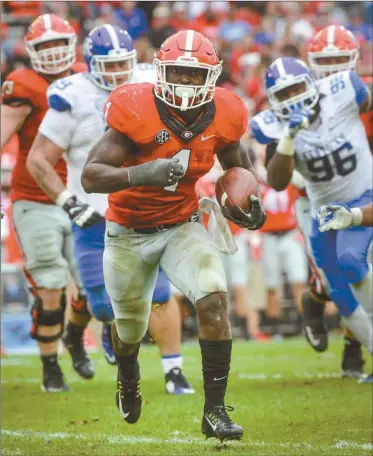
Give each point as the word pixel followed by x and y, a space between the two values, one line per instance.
pixel 212 309
pixel 353 265
pixel 46 317
pixel 212 280
pixel 131 331
pixel 100 304
pixel 51 298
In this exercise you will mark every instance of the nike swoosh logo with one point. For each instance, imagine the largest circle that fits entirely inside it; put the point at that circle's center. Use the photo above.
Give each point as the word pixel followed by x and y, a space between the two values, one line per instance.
pixel 214 426
pixel 217 379
pixel 312 339
pixel 205 138
pixel 111 235
pixel 124 414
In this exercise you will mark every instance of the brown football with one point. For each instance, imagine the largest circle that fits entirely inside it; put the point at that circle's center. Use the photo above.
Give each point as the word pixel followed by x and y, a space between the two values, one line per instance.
pixel 235 186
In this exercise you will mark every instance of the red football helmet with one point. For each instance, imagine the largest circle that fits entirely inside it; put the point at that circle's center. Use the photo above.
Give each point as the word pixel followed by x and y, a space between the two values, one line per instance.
pixel 57 59
pixel 187 49
pixel 333 49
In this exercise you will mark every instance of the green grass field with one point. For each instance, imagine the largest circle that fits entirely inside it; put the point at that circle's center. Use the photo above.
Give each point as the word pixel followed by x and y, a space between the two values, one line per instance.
pixel 289 400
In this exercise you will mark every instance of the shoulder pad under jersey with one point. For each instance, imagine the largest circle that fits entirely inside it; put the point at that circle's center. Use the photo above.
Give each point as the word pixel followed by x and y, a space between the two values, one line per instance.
pixel 231 116
pixel 63 93
pixel 24 84
pixel 266 127
pixel 345 88
pixel 129 110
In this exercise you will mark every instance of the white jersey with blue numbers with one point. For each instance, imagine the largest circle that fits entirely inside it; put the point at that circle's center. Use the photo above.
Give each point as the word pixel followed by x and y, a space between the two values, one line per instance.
pixel 333 154
pixel 75 122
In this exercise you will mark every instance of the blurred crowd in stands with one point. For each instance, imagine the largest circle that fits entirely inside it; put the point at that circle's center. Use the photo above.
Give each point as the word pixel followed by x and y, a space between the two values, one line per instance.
pixel 247 35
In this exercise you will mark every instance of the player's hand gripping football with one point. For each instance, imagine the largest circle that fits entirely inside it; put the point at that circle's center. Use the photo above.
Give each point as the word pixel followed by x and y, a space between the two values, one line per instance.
pixel 253 220
pixel 80 213
pixel 157 173
pixel 337 217
pixel 298 120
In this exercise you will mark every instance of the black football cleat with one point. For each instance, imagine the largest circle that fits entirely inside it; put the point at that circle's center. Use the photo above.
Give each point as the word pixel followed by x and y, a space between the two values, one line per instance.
pixel 177 383
pixel 53 381
pixel 216 423
pixel 352 361
pixel 73 341
pixel 128 397
pixel 313 323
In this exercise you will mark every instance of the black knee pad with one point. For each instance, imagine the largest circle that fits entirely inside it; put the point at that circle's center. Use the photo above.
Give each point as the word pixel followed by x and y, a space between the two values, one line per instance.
pixel 80 305
pixel 43 317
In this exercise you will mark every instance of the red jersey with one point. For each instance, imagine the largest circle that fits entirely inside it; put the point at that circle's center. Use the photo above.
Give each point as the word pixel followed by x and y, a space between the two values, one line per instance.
pixel 25 86
pixel 279 208
pixel 134 111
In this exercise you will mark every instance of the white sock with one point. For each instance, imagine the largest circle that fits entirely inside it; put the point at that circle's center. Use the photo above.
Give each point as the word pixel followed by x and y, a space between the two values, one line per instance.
pixel 363 292
pixel 169 362
pixel 360 324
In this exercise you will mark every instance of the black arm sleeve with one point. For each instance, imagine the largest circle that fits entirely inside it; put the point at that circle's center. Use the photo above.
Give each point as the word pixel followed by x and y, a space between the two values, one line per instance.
pixel 270 152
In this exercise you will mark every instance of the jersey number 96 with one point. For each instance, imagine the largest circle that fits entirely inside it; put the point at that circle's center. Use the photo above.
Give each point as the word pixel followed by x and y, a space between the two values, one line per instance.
pixel 344 162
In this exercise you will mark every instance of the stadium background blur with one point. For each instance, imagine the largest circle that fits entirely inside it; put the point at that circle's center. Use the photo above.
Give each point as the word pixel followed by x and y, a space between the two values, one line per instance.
pixel 249 36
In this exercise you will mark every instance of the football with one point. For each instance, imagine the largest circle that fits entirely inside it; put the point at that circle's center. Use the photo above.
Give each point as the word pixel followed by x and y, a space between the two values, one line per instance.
pixel 235 186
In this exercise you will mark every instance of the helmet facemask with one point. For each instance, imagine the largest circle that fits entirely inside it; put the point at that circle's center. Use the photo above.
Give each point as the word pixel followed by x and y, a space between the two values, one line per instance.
pixel 349 61
pixel 53 60
pixel 110 80
pixel 307 99
pixel 185 97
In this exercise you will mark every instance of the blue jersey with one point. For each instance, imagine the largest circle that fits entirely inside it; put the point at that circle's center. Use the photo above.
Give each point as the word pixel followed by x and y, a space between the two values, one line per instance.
pixel 333 154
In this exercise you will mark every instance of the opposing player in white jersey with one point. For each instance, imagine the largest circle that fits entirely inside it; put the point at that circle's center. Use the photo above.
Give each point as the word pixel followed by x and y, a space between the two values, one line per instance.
pixel 72 125
pixel 332 50
pixel 315 128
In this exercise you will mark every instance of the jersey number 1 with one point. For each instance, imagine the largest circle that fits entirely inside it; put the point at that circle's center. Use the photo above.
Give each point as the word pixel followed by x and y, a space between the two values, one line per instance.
pixel 183 156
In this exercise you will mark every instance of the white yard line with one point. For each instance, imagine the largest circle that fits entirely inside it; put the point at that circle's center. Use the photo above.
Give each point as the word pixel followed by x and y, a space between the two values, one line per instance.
pixel 240 376
pixel 176 437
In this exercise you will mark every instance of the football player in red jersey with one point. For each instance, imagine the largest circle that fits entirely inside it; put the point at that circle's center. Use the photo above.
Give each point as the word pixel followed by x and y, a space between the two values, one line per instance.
pixel 161 139
pixel 44 229
pixel 332 50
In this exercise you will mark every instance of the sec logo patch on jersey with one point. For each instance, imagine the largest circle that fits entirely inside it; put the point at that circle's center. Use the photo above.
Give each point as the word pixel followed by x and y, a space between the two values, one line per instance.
pixel 8 87
pixel 162 136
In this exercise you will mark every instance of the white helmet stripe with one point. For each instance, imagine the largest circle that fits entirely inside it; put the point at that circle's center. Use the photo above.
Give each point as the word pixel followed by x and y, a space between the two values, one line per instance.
pixel 331 33
pixel 189 43
pixel 280 67
pixel 113 36
pixel 47 22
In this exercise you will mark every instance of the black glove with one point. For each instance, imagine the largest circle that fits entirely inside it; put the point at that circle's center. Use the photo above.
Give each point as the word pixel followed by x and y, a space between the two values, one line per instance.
pixel 81 214
pixel 254 220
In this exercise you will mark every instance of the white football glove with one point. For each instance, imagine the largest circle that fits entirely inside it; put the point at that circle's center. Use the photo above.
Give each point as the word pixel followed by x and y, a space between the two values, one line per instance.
pixel 338 217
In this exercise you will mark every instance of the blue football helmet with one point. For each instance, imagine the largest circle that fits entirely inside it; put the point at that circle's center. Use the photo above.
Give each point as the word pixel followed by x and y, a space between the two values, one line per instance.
pixel 284 73
pixel 110 56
